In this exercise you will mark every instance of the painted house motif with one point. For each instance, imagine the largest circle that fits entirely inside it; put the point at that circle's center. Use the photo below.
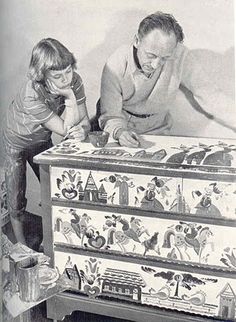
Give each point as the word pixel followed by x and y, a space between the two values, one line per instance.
pixel 72 272
pixel 227 302
pixel 122 284
pixel 91 192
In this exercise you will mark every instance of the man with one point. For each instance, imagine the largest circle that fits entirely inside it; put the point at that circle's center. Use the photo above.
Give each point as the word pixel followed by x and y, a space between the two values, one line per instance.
pixel 140 82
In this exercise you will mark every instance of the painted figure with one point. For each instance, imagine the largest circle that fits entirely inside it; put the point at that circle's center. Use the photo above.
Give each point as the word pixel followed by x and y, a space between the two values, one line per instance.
pixel 129 231
pixel 205 206
pixel 188 236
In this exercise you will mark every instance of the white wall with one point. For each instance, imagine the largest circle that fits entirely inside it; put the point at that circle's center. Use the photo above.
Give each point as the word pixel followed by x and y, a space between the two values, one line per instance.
pixel 92 29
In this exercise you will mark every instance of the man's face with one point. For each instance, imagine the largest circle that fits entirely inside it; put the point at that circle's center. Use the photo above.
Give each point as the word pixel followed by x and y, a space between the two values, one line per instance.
pixel 154 49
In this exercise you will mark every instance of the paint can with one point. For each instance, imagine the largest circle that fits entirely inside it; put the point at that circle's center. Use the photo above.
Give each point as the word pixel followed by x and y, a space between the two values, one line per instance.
pixel 28 279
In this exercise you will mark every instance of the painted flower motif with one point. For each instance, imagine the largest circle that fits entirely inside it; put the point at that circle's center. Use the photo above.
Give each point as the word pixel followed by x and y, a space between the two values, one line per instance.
pixel 69 183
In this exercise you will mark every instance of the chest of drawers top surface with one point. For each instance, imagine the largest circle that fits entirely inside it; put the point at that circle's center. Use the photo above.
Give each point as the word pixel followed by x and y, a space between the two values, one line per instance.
pixel 176 154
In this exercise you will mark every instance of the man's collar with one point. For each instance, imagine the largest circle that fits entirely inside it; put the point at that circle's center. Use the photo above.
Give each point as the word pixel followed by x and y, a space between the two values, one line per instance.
pixel 135 55
pixel 135 66
pixel 132 67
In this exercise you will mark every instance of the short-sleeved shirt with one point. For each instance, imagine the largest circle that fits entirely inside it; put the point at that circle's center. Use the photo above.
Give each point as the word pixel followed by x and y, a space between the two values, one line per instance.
pixel 32 107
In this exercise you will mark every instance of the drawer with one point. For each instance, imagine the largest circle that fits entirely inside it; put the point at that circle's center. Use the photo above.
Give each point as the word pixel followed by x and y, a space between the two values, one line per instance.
pixel 207 198
pixel 149 285
pixel 140 233
pixel 155 192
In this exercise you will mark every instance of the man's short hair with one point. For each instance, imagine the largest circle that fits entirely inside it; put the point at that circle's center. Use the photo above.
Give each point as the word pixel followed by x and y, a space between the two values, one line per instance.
pixel 162 21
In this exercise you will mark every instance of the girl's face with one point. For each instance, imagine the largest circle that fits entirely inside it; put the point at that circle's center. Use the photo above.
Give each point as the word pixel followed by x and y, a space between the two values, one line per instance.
pixel 61 78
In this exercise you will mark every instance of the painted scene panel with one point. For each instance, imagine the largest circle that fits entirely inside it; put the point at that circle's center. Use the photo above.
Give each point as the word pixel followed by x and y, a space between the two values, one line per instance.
pixel 115 188
pixel 139 236
pixel 207 198
pixel 202 294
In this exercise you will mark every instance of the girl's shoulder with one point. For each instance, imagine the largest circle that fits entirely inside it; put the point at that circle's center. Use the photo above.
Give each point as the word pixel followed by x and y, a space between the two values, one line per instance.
pixel 33 90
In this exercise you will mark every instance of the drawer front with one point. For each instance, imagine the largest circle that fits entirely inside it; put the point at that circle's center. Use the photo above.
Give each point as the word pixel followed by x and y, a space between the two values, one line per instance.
pixel 149 285
pixel 210 198
pixel 150 192
pixel 140 234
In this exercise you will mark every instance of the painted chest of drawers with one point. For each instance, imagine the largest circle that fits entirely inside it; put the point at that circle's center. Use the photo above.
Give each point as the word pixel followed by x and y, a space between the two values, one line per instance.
pixel 143 233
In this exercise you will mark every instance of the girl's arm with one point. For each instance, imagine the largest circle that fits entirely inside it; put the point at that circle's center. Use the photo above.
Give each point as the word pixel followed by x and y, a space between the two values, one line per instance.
pixel 56 125
pixel 73 115
pixel 62 125
pixel 71 112
pixel 83 126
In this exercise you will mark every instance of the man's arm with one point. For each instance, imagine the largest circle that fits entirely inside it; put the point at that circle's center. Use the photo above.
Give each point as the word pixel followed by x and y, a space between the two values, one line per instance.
pixel 112 119
pixel 209 96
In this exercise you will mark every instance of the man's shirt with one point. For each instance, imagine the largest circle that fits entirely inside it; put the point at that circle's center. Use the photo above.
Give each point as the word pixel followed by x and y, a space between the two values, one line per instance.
pixel 124 89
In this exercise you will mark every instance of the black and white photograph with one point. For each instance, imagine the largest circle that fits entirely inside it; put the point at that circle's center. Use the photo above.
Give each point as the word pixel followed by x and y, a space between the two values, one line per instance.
pixel 118 160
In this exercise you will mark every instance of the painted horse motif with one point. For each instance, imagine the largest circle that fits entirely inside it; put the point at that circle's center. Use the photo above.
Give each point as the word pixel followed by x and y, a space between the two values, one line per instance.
pixel 129 231
pixel 188 236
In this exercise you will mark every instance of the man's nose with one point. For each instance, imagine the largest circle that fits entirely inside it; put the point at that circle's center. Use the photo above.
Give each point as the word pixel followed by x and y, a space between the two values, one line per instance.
pixel 156 62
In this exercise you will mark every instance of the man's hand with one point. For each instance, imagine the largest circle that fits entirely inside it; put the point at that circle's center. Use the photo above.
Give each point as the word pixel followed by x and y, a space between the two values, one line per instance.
pixel 129 139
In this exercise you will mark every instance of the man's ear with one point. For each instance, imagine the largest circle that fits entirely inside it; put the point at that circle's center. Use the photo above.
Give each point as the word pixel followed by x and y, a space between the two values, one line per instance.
pixel 136 41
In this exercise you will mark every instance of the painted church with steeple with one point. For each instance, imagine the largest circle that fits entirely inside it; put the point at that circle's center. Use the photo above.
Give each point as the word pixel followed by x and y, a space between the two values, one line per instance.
pixel 91 192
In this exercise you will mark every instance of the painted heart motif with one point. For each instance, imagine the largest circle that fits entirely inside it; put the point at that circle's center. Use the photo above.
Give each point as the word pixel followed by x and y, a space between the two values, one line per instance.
pixel 69 194
pixel 93 260
pixel 91 291
pixel 97 242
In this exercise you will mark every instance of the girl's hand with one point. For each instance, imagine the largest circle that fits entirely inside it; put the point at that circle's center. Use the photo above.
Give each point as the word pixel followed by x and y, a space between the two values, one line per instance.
pixel 76 132
pixel 66 92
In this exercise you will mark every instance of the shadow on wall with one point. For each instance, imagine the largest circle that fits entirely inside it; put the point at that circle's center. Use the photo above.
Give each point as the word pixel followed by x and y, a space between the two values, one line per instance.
pixel 122 28
pixel 189 118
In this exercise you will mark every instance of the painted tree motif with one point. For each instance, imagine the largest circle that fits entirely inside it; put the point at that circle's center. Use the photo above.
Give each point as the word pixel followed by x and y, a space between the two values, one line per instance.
pixel 178 280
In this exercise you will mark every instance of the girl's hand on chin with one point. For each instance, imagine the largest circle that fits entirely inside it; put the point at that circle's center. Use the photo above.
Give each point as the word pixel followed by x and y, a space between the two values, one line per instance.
pixel 66 92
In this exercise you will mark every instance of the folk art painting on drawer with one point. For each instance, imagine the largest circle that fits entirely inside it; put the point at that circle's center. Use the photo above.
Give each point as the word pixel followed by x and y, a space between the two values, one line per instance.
pixel 143 235
pixel 207 198
pixel 149 285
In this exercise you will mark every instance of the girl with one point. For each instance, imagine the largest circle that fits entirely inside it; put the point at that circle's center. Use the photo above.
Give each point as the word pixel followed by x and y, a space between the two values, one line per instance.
pixel 52 100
